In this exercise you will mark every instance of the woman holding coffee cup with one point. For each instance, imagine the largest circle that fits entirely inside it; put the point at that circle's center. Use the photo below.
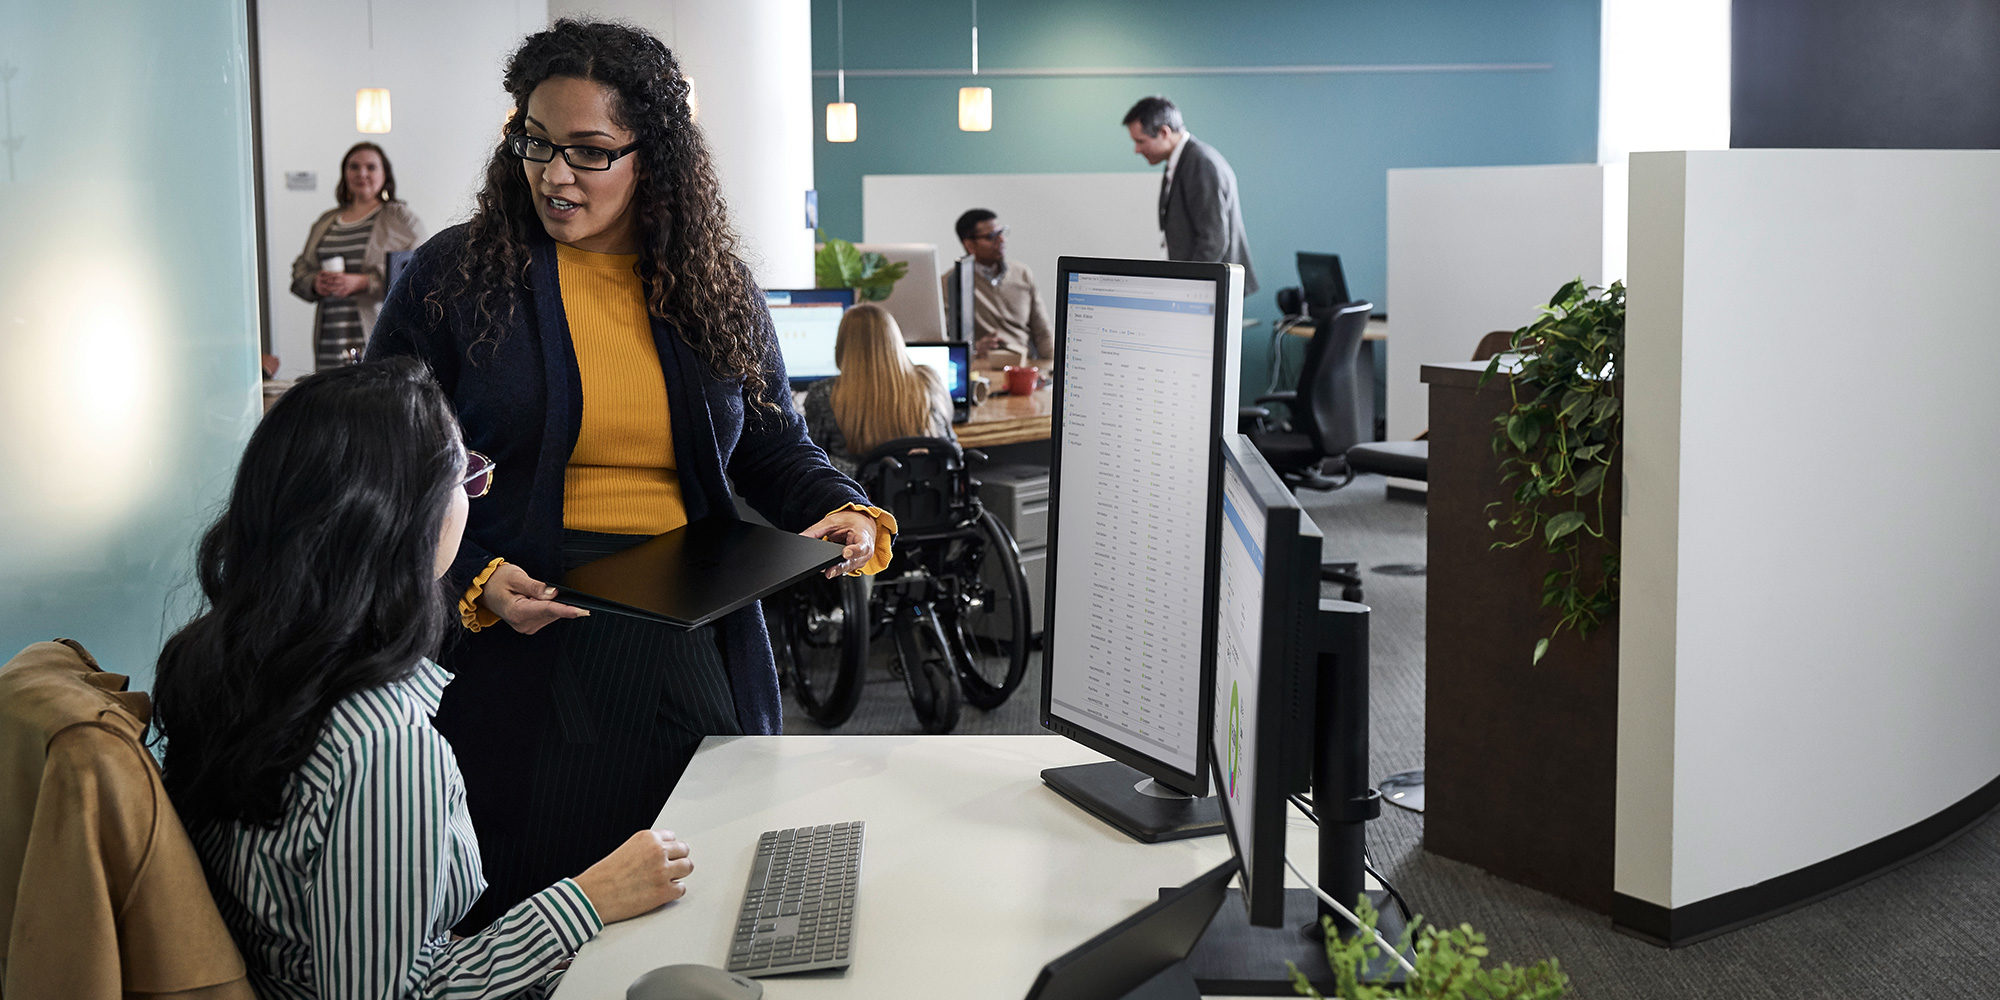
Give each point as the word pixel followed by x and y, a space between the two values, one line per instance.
pixel 343 266
pixel 878 396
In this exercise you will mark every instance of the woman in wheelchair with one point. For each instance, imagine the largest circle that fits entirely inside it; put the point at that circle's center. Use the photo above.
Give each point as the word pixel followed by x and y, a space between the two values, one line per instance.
pixel 954 601
pixel 328 812
pixel 878 396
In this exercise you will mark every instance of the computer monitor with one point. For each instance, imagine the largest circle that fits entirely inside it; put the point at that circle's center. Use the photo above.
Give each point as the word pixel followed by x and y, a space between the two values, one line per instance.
pixel 1149 350
pixel 960 309
pixel 1322 281
pixel 807 321
pixel 1291 715
pixel 952 360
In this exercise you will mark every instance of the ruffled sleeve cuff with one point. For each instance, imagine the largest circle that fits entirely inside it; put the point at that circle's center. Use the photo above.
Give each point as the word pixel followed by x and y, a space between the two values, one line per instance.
pixel 470 614
pixel 885 534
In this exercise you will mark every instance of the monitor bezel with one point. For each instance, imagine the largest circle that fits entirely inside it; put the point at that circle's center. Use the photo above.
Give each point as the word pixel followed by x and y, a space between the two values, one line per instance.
pixel 843 297
pixel 1290 575
pixel 1222 406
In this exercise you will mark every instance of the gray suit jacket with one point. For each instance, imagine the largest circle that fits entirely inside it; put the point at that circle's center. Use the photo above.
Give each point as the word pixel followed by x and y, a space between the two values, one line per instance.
pixel 1201 214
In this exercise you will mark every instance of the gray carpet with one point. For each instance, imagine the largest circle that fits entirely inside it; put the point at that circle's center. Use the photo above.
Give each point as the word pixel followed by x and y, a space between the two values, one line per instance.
pixel 1928 929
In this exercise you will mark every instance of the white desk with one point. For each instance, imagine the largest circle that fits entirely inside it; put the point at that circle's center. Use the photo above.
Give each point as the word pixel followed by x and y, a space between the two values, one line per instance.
pixel 974 874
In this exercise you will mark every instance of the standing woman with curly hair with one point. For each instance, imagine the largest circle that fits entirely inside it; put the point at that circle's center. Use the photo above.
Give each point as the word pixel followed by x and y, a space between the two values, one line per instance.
pixel 598 334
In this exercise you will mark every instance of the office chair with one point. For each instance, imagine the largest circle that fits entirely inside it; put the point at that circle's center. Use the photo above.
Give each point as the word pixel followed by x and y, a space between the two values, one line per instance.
pixel 1323 419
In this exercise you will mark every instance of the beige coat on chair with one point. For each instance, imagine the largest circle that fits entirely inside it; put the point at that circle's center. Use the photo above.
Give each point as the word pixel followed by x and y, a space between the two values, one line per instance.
pixel 111 902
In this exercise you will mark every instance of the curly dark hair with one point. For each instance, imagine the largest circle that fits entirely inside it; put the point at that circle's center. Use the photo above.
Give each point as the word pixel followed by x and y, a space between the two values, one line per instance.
pixel 688 260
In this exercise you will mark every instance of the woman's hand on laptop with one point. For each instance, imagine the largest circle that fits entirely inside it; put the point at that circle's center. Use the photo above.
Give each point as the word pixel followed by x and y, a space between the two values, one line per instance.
pixel 642 875
pixel 854 531
pixel 523 601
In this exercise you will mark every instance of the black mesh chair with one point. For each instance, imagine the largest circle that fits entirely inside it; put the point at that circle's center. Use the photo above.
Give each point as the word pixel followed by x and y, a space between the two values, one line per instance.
pixel 1323 416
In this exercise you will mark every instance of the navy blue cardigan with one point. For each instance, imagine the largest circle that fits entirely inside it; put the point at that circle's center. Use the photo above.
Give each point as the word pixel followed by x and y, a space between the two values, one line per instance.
pixel 521 403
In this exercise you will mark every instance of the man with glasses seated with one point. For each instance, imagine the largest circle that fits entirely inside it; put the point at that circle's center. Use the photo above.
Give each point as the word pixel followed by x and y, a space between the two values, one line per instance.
pixel 1009 322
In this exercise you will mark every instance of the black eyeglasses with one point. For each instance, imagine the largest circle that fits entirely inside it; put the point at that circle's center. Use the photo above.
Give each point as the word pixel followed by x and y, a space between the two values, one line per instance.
pixel 478 474
pixel 998 231
pixel 527 147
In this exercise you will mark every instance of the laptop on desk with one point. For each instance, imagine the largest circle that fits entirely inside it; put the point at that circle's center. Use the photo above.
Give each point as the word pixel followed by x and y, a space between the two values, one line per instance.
pixel 952 360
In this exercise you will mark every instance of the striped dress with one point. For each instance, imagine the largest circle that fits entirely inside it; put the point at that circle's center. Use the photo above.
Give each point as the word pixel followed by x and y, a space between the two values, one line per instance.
pixel 353 895
pixel 339 326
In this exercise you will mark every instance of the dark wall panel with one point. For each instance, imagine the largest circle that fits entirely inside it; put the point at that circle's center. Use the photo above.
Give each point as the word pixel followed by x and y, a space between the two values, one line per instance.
pixel 1908 74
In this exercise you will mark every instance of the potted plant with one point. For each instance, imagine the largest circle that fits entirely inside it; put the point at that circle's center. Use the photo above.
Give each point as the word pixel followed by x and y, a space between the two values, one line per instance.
pixel 840 264
pixel 1557 442
pixel 1447 965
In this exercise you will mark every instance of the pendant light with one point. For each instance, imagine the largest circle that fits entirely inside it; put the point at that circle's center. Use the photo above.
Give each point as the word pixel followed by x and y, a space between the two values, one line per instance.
pixel 840 115
pixel 975 104
pixel 371 104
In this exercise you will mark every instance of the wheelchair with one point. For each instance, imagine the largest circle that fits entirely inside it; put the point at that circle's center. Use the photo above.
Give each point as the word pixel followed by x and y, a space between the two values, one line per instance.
pixel 954 601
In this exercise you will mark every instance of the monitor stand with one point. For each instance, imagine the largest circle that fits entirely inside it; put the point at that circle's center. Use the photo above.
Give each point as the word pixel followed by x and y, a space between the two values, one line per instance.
pixel 1236 959
pixel 1135 804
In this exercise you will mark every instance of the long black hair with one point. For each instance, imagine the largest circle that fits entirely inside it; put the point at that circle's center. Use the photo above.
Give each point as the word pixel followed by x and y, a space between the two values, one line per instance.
pixel 319 578
pixel 688 260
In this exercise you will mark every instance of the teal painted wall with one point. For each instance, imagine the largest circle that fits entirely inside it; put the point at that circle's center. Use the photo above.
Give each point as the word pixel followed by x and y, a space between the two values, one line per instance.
pixel 1310 151
pixel 128 325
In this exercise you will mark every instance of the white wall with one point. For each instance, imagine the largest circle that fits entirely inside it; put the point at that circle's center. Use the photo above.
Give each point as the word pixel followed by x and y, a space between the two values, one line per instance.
pixel 1808 635
pixel 441 60
pixel 1046 215
pixel 1477 249
pixel 1663 76
pixel 751 65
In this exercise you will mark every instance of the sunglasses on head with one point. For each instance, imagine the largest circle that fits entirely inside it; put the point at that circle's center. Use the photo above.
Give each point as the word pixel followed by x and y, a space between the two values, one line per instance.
pixel 478 474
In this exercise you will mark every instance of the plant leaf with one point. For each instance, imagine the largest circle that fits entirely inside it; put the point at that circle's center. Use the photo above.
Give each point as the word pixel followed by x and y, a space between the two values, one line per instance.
pixel 1562 524
pixel 1541 648
pixel 1592 478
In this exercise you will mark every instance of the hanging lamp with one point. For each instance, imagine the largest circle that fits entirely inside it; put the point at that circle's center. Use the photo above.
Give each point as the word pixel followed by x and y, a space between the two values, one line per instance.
pixel 975 104
pixel 371 104
pixel 840 114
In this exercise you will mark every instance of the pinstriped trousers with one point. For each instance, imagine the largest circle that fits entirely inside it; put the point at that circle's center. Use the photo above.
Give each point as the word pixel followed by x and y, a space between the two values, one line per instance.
pixel 632 699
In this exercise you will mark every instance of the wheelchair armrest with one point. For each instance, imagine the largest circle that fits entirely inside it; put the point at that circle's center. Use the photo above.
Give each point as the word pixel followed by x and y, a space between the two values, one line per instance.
pixel 974 456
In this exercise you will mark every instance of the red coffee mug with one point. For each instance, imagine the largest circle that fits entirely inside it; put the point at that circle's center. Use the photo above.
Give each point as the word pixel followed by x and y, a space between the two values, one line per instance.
pixel 1021 379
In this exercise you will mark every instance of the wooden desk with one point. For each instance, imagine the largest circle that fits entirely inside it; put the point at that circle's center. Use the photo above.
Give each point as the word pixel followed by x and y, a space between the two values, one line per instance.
pixel 1009 420
pixel 974 873
pixel 1378 329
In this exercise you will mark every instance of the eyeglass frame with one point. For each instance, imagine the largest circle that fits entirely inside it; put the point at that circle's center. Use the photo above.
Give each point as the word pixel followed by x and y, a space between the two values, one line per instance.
pixel 491 469
pixel 998 231
pixel 563 151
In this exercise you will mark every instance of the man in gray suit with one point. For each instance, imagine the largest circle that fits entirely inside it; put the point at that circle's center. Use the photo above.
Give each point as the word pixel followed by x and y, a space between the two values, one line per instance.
pixel 1199 209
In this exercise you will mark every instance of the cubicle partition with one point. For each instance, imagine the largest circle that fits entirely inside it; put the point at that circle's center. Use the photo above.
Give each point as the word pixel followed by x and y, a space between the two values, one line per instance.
pixel 1807 681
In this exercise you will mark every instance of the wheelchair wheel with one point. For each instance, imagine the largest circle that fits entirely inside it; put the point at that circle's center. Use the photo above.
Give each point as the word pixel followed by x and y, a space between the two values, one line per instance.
pixel 985 615
pixel 819 633
pixel 926 662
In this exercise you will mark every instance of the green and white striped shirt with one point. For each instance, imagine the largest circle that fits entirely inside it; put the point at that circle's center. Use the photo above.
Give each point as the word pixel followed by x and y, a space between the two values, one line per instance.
pixel 354 894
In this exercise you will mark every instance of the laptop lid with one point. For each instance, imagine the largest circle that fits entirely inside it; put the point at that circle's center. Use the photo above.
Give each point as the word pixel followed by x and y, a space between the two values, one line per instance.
pixel 953 361
pixel 696 573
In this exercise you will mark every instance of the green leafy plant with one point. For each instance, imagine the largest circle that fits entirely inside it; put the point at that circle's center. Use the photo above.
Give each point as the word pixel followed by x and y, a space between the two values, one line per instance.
pixel 1556 443
pixel 1447 962
pixel 840 264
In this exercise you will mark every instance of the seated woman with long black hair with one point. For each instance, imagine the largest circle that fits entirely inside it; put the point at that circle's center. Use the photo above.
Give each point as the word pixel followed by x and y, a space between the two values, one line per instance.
pixel 297 708
pixel 878 396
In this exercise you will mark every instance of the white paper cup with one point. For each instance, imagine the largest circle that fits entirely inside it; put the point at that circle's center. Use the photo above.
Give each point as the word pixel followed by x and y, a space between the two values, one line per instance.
pixel 335 263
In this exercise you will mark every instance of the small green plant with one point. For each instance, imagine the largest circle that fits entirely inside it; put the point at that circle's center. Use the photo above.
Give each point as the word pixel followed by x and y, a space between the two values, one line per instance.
pixel 1556 443
pixel 1447 966
pixel 839 264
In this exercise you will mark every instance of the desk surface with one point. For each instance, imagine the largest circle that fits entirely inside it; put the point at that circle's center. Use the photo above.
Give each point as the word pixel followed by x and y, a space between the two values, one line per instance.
pixel 1010 420
pixel 974 874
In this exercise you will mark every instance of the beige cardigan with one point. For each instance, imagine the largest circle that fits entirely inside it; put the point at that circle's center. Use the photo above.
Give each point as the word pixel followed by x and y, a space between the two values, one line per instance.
pixel 396 228
pixel 102 896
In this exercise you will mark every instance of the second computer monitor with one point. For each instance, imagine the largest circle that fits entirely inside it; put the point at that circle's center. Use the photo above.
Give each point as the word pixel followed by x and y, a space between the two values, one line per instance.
pixel 808 322
pixel 1267 595
pixel 1321 280
pixel 1148 351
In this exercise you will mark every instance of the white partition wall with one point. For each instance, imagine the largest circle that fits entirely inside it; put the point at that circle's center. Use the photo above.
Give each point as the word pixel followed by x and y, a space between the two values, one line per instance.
pixel 1476 249
pixel 1811 567
pixel 128 330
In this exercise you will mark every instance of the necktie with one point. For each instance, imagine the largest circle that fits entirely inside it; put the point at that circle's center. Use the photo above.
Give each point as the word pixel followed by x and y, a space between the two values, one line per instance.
pixel 1163 198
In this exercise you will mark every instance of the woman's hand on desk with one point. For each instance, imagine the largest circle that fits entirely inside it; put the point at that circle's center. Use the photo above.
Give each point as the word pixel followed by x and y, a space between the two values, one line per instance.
pixel 523 601
pixel 642 875
pixel 854 531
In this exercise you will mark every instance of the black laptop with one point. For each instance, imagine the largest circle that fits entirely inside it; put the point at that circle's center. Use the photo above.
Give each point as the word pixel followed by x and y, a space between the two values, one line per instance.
pixel 953 361
pixel 696 573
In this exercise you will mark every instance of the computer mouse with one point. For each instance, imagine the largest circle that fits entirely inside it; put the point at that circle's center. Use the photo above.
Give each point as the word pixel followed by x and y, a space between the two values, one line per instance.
pixel 693 982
